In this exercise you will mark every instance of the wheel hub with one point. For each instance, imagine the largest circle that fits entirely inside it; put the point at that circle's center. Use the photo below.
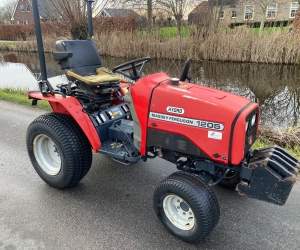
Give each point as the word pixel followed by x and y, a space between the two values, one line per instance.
pixel 184 206
pixel 47 155
pixel 178 212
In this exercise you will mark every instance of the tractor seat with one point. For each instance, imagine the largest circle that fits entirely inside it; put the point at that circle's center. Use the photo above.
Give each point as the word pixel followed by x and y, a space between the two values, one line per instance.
pixel 81 60
pixel 98 76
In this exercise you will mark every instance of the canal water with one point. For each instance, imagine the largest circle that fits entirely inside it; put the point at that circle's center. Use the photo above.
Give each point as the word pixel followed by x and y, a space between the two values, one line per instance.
pixel 275 87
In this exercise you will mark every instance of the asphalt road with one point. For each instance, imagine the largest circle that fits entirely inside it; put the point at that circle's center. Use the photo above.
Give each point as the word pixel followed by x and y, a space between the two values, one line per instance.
pixel 111 208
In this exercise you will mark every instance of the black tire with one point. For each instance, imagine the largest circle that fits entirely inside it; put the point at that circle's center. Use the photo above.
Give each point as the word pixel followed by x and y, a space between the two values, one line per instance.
pixel 58 149
pixel 195 198
pixel 230 180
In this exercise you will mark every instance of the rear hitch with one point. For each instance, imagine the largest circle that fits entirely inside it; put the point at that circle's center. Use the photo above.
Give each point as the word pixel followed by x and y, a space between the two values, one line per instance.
pixel 270 175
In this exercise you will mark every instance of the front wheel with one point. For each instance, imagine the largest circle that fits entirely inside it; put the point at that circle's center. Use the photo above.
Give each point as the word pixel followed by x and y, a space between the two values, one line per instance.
pixel 58 150
pixel 186 206
pixel 230 181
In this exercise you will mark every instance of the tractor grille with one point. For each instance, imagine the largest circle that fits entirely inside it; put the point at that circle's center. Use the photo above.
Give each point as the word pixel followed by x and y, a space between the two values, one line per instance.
pixel 251 130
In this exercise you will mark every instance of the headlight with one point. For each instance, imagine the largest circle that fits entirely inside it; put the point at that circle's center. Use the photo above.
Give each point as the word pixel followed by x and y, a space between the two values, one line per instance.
pixel 253 120
pixel 247 124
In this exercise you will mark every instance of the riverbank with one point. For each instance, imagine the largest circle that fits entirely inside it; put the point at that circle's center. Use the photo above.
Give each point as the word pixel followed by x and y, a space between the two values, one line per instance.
pixel 230 45
pixel 288 138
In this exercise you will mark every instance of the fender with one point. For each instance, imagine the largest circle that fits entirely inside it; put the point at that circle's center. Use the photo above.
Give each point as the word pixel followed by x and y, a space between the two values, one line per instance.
pixel 71 106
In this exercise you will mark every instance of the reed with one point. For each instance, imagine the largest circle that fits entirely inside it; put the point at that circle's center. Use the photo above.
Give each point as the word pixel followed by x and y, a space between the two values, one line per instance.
pixel 241 45
pixel 235 45
pixel 284 137
pixel 132 45
pixel 30 45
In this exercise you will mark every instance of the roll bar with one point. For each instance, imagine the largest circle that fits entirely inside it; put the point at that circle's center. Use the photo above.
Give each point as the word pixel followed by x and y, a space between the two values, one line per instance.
pixel 44 85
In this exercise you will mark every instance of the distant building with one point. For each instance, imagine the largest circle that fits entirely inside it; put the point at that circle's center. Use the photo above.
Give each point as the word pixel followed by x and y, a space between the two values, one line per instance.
pixel 200 13
pixel 108 12
pixel 246 11
pixel 22 13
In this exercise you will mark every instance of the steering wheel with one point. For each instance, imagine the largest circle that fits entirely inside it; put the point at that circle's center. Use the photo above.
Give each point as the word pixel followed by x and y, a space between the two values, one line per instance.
pixel 132 65
pixel 185 72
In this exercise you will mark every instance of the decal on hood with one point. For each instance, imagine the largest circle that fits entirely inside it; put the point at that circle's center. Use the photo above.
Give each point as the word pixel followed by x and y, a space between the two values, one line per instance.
pixel 187 121
pixel 175 110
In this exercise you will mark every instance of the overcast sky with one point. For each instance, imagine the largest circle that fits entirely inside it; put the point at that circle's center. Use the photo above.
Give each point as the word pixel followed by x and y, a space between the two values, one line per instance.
pixel 5 1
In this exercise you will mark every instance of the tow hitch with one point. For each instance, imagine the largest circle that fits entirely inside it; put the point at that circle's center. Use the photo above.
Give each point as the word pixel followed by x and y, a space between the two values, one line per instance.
pixel 269 175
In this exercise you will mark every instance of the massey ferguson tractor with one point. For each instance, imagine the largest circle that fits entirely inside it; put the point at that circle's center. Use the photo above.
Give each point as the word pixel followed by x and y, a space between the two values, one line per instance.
pixel 205 132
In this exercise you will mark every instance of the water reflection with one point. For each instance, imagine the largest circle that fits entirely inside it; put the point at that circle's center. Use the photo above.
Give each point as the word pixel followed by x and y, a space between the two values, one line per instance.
pixel 275 87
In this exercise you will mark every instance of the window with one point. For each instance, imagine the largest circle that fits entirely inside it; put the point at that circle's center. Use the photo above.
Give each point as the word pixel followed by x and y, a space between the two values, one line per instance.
pixel 22 8
pixel 22 22
pixel 271 11
pixel 294 8
pixel 221 14
pixel 104 14
pixel 233 14
pixel 249 12
pixel 28 8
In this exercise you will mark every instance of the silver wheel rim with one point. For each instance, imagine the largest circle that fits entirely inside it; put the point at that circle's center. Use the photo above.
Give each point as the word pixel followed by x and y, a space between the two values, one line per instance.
pixel 179 212
pixel 47 155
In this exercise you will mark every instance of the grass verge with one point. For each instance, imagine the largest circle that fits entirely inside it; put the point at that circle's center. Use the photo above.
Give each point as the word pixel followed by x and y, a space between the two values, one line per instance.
pixel 259 143
pixel 19 96
pixel 9 43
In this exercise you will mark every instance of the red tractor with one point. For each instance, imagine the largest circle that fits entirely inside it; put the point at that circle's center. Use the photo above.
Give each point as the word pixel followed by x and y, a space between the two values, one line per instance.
pixel 205 132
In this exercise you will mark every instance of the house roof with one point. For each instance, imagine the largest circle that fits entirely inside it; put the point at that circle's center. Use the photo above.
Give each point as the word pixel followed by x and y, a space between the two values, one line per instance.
pixel 203 7
pixel 44 9
pixel 47 8
pixel 122 13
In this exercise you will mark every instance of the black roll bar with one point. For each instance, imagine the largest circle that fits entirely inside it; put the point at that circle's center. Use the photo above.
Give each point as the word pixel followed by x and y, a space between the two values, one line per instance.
pixel 44 85
pixel 90 17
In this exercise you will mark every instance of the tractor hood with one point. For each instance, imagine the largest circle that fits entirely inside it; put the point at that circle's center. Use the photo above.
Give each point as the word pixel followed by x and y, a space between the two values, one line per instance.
pixel 210 119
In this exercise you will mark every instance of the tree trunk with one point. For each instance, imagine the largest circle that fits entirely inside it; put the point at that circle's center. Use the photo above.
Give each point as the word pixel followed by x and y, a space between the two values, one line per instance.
pixel 149 13
pixel 262 25
pixel 178 27
pixel 296 24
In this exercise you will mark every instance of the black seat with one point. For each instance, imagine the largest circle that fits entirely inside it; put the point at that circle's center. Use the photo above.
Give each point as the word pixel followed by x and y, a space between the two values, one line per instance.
pixel 84 67
pixel 81 59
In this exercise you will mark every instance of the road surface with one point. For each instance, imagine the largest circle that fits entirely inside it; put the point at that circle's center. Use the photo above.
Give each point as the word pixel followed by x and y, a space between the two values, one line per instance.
pixel 111 208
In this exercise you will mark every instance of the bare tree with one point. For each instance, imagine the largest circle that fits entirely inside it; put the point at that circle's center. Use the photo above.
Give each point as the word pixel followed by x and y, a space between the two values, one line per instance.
pixel 177 9
pixel 264 6
pixel 6 11
pixel 148 5
pixel 74 14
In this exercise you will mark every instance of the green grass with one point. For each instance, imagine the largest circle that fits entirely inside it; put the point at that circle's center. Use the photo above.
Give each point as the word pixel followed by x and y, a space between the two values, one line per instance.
pixel 262 144
pixel 8 43
pixel 268 31
pixel 19 96
pixel 168 32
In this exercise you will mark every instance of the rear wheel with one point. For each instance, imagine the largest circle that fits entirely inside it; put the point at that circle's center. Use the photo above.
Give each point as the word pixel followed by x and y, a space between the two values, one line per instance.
pixel 186 206
pixel 58 150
